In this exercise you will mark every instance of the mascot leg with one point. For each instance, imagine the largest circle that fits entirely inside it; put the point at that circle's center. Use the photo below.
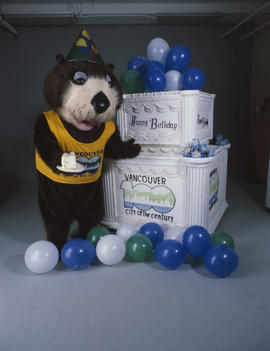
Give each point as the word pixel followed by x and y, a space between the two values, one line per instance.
pixel 57 227
pixel 85 224
pixel 57 233
pixel 90 208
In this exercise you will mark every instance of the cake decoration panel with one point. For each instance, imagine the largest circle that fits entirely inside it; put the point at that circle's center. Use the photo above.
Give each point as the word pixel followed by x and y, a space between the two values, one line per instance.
pixel 171 118
pixel 171 191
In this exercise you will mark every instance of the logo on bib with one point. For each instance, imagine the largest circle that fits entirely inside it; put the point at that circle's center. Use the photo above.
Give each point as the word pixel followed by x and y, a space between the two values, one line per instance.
pixel 91 165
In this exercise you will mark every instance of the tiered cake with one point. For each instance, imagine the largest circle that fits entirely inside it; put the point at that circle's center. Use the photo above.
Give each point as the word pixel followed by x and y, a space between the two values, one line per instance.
pixel 161 185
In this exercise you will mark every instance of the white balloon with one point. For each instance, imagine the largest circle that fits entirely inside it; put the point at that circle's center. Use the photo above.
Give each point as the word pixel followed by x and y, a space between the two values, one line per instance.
pixel 111 249
pixel 157 50
pixel 126 230
pixel 173 80
pixel 41 256
pixel 175 233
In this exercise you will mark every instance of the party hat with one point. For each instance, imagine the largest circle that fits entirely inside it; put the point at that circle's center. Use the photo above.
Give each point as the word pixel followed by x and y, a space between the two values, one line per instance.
pixel 84 49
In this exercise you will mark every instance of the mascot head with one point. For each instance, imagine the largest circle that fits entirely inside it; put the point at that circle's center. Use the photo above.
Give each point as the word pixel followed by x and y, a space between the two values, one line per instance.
pixel 82 89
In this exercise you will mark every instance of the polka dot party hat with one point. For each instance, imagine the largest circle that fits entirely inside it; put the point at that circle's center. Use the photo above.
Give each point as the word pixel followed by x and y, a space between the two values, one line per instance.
pixel 84 49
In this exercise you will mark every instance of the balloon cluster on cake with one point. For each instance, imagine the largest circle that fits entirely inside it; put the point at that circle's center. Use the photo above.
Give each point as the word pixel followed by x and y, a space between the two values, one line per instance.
pixel 170 248
pixel 164 69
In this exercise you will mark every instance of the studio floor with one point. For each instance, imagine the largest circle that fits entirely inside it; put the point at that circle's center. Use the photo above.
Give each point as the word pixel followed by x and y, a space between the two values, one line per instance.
pixel 136 306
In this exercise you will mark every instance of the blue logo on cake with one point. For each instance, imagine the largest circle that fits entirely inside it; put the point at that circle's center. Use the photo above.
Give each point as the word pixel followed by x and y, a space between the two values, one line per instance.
pixel 160 198
pixel 91 165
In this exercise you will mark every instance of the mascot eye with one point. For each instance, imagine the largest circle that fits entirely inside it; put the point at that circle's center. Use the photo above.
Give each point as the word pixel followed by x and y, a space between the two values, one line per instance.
pixel 109 80
pixel 79 78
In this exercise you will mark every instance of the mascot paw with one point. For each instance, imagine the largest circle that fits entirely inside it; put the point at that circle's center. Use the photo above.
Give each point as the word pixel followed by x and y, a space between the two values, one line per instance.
pixel 132 149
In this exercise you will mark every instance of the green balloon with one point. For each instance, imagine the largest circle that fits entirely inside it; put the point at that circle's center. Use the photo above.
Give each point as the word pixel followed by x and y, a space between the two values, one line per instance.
pixel 138 248
pixel 219 238
pixel 96 233
pixel 131 82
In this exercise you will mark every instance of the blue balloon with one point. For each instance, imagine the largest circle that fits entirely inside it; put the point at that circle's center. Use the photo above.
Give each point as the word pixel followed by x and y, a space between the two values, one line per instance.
pixel 149 65
pixel 193 79
pixel 196 241
pixel 221 260
pixel 153 231
pixel 178 58
pixel 156 65
pixel 78 253
pixel 143 69
pixel 136 62
pixel 154 80
pixel 170 254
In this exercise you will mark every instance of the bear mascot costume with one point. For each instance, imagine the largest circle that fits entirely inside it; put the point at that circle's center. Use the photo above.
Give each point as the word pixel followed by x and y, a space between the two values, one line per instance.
pixel 72 139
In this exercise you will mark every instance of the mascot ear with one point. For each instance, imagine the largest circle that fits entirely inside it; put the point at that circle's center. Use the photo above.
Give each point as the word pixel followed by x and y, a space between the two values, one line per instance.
pixel 110 67
pixel 60 58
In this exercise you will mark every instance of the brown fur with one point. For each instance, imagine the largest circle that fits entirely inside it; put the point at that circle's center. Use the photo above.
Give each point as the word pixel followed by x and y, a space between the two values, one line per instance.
pixel 61 204
pixel 57 79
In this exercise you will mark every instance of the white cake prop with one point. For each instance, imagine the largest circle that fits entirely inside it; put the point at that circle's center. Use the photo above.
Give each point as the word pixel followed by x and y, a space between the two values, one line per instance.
pixel 171 191
pixel 163 122
pixel 69 164
pixel 171 182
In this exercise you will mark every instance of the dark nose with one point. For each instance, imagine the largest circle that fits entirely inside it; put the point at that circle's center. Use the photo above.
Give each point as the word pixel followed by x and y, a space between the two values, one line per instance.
pixel 100 102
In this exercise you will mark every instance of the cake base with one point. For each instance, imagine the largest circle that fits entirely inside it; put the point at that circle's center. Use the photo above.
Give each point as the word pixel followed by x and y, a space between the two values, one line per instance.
pixel 171 191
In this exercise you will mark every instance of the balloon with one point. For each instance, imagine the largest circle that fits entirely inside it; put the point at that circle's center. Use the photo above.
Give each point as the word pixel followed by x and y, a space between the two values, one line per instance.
pixel 157 50
pixel 221 260
pixel 173 81
pixel 126 230
pixel 193 79
pixel 154 80
pixel 178 58
pixel 96 233
pixel 143 69
pixel 139 248
pixel 170 254
pixel 151 65
pixel 136 62
pixel 174 233
pixel 196 241
pixel 153 231
pixel 221 238
pixel 78 253
pixel 155 65
pixel 131 82
pixel 41 256
pixel 111 249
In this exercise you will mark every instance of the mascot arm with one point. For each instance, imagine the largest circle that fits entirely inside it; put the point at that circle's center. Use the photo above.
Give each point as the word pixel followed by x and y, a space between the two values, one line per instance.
pixel 46 144
pixel 117 149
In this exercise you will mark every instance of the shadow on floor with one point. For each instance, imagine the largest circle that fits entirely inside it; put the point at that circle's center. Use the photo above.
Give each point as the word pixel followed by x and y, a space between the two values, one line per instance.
pixel 256 191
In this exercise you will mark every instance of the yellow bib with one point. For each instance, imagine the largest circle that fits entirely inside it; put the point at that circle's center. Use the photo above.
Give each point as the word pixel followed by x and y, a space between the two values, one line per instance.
pixel 90 155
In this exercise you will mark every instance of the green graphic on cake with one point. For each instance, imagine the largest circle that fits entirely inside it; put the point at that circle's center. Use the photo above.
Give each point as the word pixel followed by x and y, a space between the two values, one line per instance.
pixel 213 188
pixel 160 198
